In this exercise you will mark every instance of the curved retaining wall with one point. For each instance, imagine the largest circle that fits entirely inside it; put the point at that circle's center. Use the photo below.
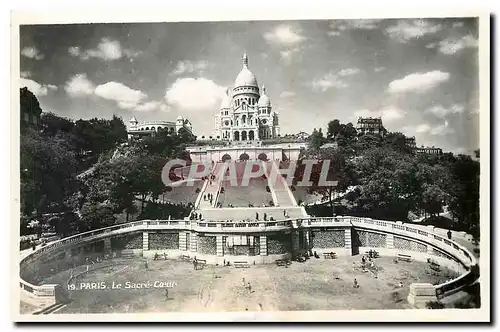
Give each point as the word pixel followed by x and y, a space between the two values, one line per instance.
pixel 268 241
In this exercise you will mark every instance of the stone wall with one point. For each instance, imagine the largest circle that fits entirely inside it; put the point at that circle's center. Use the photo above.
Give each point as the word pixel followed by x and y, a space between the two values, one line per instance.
pixel 405 244
pixel 441 254
pixel 163 241
pixel 207 245
pixel 369 239
pixel 328 239
pixel 127 241
pixel 279 244
pixel 62 259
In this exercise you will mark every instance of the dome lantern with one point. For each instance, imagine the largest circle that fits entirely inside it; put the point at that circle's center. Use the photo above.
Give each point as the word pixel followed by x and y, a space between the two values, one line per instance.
pixel 245 78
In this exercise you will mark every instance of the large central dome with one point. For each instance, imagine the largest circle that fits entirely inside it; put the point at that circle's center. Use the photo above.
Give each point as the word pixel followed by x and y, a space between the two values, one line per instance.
pixel 245 77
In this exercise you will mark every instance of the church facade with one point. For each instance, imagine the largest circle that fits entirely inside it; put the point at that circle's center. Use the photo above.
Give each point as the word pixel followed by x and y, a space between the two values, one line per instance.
pixel 245 113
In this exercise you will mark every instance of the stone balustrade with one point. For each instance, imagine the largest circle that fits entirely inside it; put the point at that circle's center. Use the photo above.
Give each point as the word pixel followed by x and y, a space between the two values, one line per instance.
pixel 275 239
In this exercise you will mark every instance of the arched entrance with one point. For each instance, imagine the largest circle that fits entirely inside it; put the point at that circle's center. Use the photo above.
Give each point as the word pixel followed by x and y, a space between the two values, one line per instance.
pixel 251 136
pixel 244 156
pixel 226 157
pixel 236 135
pixel 262 156
pixel 243 135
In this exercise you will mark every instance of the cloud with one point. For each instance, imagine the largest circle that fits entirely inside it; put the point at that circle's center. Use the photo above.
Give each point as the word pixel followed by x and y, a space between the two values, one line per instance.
pixel 284 35
pixel 32 52
pixel 406 30
pixel 378 69
pixel 388 114
pixel 150 106
pixel 442 130
pixel 287 94
pixel 458 24
pixel 338 26
pixel 439 130
pixel 288 39
pixel 474 111
pixel 418 82
pixel 327 82
pixel 79 85
pixel 125 97
pixel 423 128
pixel 36 88
pixel 349 71
pixel 442 112
pixel 189 67
pixel 287 55
pixel 333 80
pixel 453 45
pixel 194 94
pixel 25 74
pixel 107 49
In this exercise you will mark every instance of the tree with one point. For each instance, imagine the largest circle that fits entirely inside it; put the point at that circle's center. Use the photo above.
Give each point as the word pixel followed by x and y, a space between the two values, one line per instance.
pixel 396 141
pixel 96 216
pixel 334 128
pixel 464 195
pixel 53 124
pixel 48 173
pixel 185 136
pixel 100 135
pixel 433 198
pixel 28 105
pixel 336 171
pixel 316 140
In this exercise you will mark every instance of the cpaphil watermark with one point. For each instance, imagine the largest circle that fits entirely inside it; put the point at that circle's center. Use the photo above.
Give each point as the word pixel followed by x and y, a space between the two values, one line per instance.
pixel 177 172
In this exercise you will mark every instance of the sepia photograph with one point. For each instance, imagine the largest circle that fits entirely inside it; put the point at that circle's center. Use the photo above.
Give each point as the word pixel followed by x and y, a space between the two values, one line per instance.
pixel 260 169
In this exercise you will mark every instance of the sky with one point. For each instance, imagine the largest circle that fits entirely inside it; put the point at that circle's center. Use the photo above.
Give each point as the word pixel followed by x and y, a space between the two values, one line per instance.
pixel 420 75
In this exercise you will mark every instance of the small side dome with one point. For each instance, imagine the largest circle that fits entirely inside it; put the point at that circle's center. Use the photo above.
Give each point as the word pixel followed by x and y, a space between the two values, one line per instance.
pixel 264 99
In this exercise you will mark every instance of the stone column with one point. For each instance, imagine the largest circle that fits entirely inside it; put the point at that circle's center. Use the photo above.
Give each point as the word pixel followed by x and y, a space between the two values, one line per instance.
pixel 389 241
pixel 263 245
pixel 145 241
pixel 182 241
pixel 194 242
pixel 107 245
pixel 430 250
pixel 295 241
pixel 220 248
pixel 347 241
pixel 308 239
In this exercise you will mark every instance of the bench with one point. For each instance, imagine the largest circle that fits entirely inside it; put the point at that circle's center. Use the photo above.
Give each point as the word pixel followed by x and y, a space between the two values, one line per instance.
pixel 301 259
pixel 374 254
pixel 330 255
pixel 199 263
pixel 158 256
pixel 435 267
pixel 403 257
pixel 282 262
pixel 185 257
pixel 127 253
pixel 241 264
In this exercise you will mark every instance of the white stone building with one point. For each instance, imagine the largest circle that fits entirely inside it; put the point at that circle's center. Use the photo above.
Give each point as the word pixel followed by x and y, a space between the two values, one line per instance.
pixel 138 129
pixel 246 113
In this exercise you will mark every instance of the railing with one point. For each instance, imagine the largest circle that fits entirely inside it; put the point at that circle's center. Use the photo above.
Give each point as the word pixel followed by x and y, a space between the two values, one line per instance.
pixel 451 248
